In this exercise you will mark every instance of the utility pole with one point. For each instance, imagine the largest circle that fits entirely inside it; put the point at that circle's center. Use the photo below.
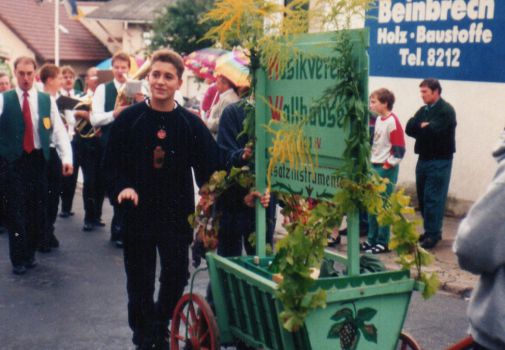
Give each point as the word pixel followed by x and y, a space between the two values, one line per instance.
pixel 57 32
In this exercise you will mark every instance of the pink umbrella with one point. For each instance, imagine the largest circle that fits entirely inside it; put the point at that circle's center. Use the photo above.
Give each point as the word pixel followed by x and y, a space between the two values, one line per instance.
pixel 203 62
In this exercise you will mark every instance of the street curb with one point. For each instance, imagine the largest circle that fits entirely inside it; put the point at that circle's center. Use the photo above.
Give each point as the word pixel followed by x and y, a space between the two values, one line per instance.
pixel 459 289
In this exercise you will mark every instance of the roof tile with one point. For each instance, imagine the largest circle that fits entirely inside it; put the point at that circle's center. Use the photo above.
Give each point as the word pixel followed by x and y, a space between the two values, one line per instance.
pixel 33 22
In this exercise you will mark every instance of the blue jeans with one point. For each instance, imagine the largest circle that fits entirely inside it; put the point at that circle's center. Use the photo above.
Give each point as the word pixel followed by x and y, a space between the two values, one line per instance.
pixel 380 234
pixel 432 183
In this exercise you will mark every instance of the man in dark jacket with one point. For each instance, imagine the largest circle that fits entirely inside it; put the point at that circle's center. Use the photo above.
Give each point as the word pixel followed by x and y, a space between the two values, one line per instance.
pixel 152 149
pixel 433 126
pixel 237 203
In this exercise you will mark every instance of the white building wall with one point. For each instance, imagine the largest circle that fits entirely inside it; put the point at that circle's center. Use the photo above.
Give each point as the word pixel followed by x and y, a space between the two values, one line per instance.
pixel 12 45
pixel 480 121
pixel 480 118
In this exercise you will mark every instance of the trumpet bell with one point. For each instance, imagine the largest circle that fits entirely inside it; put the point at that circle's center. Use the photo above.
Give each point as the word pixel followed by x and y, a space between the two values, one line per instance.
pixel 85 130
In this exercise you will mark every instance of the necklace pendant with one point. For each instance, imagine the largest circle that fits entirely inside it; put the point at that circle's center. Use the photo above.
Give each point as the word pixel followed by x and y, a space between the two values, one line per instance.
pixel 161 134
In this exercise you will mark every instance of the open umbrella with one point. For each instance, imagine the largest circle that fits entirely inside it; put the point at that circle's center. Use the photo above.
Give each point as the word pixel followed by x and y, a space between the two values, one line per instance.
pixel 203 62
pixel 234 67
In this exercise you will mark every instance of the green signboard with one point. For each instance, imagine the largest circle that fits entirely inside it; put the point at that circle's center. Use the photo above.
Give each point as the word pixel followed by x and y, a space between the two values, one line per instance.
pixel 295 94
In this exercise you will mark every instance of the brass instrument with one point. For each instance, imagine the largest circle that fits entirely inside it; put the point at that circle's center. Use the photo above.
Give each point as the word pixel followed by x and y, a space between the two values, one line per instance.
pixel 122 99
pixel 82 126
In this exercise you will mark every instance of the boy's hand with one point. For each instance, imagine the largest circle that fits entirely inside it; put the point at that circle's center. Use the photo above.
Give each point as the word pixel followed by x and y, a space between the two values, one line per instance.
pixel 251 197
pixel 128 194
pixel 247 152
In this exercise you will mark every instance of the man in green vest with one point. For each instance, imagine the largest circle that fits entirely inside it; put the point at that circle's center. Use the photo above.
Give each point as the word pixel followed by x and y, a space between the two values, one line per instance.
pixel 105 111
pixel 29 122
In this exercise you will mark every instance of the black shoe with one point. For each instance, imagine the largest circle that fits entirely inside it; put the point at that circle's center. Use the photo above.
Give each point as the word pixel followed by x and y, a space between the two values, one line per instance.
pixel 342 232
pixel 88 226
pixel 364 246
pixel 31 263
pixel 66 214
pixel 377 249
pixel 429 242
pixel 333 242
pixel 422 237
pixel 53 241
pixel 99 223
pixel 18 270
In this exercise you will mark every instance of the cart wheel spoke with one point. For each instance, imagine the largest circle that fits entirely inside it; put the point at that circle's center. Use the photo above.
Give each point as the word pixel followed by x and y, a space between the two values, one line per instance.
pixel 192 313
pixel 194 325
pixel 183 318
pixel 203 337
pixel 179 337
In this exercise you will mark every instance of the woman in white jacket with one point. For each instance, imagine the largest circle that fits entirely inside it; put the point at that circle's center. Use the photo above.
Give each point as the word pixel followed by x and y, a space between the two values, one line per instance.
pixel 227 95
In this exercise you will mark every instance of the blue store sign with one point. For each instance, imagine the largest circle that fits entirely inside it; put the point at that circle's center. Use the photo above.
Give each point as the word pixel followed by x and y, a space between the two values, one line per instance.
pixel 446 39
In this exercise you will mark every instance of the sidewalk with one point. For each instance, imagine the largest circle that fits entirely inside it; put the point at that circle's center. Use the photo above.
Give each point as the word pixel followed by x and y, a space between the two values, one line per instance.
pixel 453 279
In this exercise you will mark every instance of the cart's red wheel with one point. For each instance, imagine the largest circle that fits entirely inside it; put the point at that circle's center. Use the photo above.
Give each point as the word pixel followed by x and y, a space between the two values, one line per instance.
pixel 406 342
pixel 194 326
pixel 466 343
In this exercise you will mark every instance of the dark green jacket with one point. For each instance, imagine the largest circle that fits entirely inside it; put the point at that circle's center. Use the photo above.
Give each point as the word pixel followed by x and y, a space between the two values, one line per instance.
pixel 12 126
pixel 438 139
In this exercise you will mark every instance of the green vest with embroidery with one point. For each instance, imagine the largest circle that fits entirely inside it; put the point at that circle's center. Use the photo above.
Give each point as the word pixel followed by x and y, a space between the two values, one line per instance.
pixel 110 103
pixel 12 125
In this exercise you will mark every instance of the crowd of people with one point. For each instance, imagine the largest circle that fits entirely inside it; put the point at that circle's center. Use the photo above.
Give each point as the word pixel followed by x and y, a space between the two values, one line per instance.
pixel 141 154
pixel 41 158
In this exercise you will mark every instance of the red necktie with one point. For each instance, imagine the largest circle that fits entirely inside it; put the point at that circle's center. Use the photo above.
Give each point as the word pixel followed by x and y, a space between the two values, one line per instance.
pixel 28 144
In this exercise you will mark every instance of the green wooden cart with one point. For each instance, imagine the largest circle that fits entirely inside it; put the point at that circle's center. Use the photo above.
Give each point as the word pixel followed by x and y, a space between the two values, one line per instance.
pixel 246 309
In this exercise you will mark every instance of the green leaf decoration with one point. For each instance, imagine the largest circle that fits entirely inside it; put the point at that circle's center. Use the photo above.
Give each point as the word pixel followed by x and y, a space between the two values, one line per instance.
pixel 366 314
pixel 345 313
pixel 431 282
pixel 426 257
pixel 335 329
pixel 370 332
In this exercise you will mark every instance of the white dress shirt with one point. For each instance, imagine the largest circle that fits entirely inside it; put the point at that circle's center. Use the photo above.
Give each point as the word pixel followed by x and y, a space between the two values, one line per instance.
pixel 70 93
pixel 59 136
pixel 99 117
pixel 69 117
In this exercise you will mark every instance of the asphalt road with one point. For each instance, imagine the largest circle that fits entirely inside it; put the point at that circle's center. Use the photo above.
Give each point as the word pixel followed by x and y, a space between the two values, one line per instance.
pixel 76 298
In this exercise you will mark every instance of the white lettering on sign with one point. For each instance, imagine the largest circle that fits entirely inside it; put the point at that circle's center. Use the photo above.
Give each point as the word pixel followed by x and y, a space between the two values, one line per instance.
pixel 474 34
pixel 387 37
pixel 433 57
pixel 436 33
pixel 433 10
